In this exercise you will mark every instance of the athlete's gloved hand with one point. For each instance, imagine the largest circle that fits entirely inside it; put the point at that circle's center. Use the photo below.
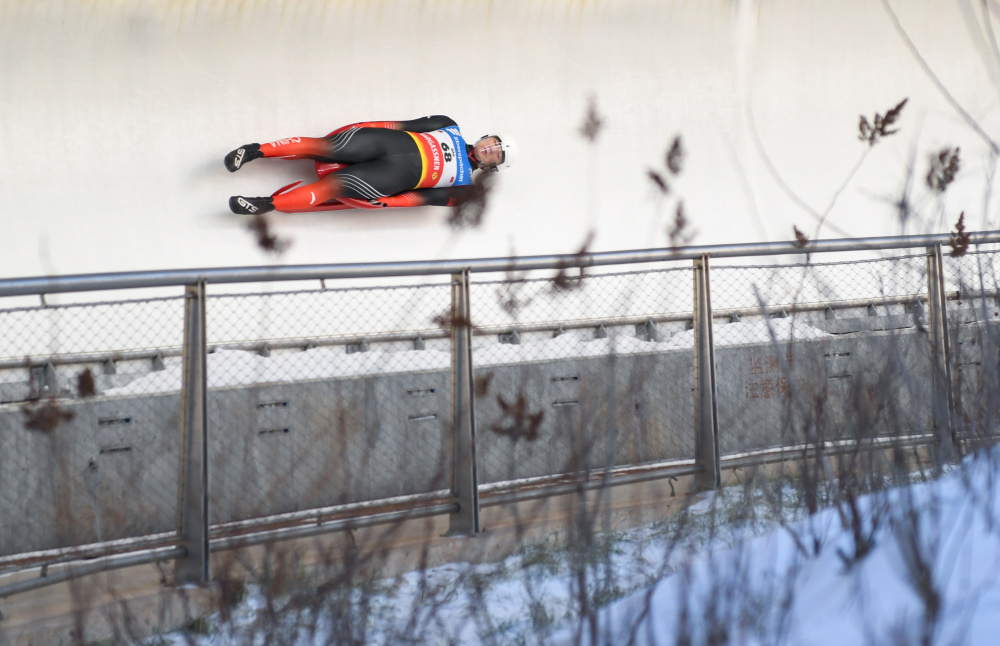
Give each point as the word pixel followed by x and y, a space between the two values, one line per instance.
pixel 377 204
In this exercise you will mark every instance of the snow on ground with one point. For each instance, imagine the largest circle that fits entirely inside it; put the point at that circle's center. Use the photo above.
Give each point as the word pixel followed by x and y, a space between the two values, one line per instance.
pixel 951 545
pixel 745 581
pixel 228 368
pixel 518 600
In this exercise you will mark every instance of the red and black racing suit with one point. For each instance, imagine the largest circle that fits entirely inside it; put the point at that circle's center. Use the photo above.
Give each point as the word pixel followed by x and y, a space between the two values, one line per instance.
pixel 387 166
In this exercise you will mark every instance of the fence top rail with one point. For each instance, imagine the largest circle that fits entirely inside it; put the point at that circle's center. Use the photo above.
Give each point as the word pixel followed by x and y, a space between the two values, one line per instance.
pixel 221 275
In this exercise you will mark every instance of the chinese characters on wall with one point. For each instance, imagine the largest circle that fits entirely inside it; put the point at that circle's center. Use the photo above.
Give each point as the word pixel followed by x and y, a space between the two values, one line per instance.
pixel 767 380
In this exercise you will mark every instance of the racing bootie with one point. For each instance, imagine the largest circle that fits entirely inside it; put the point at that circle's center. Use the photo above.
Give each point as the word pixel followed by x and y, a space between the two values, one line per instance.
pixel 242 155
pixel 250 205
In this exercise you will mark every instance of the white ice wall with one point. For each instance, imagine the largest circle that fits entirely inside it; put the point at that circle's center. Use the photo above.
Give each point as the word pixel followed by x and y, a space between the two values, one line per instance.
pixel 115 115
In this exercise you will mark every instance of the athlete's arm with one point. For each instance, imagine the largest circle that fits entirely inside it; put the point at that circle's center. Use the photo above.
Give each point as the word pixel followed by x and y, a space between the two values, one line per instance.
pixel 427 124
pixel 423 124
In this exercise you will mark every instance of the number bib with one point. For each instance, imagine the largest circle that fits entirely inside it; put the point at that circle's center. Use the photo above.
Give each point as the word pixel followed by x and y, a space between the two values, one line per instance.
pixel 443 159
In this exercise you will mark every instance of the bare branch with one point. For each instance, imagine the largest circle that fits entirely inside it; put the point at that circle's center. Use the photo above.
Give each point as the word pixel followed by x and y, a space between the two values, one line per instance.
pixel 675 156
pixel 659 181
pixel 85 384
pixel 959 238
pixel 267 240
pixel 873 132
pixel 593 122
pixel 944 166
pixel 937 82
pixel 517 422
pixel 469 212
pixel 563 282
pixel 680 232
pixel 46 416
pixel 800 238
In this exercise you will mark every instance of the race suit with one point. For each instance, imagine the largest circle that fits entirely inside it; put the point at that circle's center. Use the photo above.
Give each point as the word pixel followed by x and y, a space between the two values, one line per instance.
pixel 419 162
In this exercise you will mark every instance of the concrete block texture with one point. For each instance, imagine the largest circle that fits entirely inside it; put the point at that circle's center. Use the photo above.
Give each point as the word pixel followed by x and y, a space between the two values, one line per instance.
pixel 78 472
pixel 841 387
pixel 583 414
pixel 284 448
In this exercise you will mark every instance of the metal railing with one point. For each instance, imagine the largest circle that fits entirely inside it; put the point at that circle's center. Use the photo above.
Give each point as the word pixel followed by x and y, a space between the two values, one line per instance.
pixel 540 379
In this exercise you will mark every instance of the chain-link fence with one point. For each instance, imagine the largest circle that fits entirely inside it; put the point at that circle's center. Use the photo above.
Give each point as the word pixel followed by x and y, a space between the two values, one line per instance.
pixel 343 398
pixel 318 400
pixel 973 282
pixel 819 350
pixel 576 374
pixel 81 463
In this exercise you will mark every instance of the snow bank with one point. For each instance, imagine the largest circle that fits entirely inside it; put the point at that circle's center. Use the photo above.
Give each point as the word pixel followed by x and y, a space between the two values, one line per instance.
pixel 750 332
pixel 228 368
pixel 768 591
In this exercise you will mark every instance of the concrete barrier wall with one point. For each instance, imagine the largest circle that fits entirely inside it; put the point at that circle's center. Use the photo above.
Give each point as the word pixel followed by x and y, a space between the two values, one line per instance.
pixel 558 417
pixel 975 371
pixel 867 384
pixel 284 448
pixel 110 468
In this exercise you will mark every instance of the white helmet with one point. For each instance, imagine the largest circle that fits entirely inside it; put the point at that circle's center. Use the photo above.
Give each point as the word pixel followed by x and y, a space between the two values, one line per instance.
pixel 509 148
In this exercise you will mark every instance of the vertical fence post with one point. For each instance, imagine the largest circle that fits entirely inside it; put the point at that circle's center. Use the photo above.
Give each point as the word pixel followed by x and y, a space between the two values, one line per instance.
pixel 465 481
pixel 193 494
pixel 941 399
pixel 706 410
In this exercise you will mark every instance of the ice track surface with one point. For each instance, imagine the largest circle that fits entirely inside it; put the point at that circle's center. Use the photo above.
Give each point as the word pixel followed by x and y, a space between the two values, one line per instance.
pixel 117 113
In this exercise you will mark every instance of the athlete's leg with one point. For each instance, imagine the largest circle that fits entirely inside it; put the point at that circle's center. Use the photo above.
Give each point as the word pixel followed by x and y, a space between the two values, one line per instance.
pixel 317 148
pixel 291 148
pixel 382 162
pixel 350 146
pixel 365 181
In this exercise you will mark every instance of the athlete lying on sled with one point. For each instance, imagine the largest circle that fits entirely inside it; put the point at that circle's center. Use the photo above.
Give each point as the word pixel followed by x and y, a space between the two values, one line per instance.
pixel 377 164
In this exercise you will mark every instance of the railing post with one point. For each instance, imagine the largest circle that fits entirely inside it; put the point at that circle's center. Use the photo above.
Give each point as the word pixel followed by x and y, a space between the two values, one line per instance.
pixel 941 399
pixel 193 493
pixel 706 411
pixel 465 481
